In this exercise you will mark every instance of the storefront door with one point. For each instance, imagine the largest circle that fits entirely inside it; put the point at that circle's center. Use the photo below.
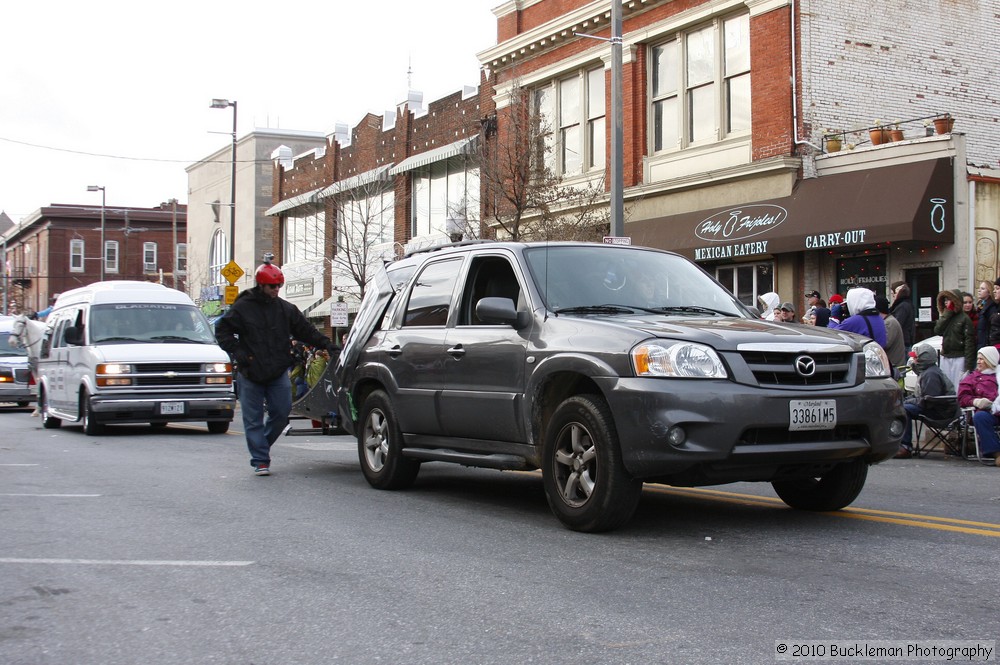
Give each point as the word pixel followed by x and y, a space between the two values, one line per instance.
pixel 924 286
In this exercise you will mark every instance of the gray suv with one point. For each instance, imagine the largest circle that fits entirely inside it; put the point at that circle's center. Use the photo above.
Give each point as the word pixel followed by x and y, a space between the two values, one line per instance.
pixel 606 367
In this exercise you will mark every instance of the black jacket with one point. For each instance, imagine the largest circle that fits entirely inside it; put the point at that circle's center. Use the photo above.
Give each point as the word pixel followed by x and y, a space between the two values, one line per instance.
pixel 989 325
pixel 902 311
pixel 257 332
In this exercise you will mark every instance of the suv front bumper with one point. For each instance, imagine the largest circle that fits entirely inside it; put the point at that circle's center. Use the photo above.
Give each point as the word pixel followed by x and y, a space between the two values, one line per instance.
pixel 719 442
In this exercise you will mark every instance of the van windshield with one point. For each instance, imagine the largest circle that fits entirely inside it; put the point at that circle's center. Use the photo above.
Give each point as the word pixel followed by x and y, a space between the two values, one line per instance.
pixel 149 322
pixel 7 350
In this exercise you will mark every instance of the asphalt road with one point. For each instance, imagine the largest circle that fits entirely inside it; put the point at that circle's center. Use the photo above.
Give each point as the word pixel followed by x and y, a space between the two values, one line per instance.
pixel 145 546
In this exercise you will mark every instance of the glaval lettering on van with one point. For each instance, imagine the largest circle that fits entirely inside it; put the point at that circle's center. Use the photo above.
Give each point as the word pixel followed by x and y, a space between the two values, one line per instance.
pixel 740 223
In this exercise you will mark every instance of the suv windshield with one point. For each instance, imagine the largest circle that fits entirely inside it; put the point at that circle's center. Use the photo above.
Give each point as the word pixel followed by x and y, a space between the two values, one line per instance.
pixel 8 351
pixel 581 279
pixel 149 322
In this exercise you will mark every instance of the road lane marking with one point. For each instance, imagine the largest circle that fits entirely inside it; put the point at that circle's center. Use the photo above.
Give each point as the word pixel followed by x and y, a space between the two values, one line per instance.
pixel 18 464
pixel 57 496
pixel 870 514
pixel 126 562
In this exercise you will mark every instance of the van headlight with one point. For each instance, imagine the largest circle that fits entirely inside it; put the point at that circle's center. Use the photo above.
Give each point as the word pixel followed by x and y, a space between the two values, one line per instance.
pixel 876 362
pixel 678 360
pixel 114 374
pixel 223 373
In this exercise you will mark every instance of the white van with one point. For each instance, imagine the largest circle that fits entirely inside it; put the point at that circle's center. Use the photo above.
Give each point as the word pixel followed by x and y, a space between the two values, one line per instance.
pixel 132 352
pixel 16 383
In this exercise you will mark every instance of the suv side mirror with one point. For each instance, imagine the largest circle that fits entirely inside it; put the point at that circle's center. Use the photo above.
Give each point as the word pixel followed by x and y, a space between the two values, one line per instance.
pixel 74 335
pixel 501 311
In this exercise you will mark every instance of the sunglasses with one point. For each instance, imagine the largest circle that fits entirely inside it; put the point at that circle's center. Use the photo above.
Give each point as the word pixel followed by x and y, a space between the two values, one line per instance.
pixel 272 286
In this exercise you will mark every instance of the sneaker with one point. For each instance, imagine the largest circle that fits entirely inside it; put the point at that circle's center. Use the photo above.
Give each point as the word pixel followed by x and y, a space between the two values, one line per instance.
pixel 261 470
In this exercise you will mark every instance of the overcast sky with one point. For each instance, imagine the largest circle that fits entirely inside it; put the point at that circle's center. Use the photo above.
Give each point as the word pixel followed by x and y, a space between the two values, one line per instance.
pixel 116 93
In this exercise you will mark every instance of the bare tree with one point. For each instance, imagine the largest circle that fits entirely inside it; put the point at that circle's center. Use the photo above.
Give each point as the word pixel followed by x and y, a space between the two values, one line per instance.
pixel 363 232
pixel 523 198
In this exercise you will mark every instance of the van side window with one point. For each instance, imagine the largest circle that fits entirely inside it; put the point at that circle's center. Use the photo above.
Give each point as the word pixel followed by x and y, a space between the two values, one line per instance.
pixel 489 277
pixel 430 297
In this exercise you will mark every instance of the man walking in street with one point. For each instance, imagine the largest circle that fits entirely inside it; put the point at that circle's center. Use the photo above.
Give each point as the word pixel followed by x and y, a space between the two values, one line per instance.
pixel 257 332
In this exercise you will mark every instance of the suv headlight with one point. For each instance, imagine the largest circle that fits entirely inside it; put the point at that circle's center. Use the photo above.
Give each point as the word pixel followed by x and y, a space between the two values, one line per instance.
pixel 876 362
pixel 679 360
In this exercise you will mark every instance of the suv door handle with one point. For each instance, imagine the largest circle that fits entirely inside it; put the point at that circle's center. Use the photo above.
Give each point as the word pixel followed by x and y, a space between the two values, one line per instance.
pixel 456 351
pixel 395 351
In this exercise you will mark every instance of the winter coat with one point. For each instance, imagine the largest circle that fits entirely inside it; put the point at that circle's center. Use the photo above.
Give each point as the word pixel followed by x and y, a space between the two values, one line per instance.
pixel 977 384
pixel 932 383
pixel 257 332
pixel 988 329
pixel 902 310
pixel 866 321
pixel 894 342
pixel 958 338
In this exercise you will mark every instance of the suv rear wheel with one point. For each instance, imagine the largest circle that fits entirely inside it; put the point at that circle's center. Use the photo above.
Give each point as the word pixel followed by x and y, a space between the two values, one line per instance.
pixel 832 491
pixel 586 483
pixel 380 446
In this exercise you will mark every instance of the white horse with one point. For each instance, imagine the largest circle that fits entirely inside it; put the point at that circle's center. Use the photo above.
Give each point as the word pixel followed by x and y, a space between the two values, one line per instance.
pixel 28 334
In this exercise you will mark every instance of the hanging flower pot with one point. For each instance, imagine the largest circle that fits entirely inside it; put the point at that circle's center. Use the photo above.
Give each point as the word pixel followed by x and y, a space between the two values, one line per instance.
pixel 944 124
pixel 833 144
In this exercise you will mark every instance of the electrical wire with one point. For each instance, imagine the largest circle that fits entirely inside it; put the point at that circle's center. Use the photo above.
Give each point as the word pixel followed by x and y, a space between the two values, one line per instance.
pixel 135 159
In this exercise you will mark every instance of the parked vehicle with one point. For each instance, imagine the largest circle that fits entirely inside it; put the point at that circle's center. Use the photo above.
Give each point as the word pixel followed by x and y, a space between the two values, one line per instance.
pixel 16 382
pixel 132 352
pixel 606 367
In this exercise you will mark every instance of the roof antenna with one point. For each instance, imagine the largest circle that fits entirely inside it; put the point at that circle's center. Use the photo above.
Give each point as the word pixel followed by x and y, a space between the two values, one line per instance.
pixel 409 72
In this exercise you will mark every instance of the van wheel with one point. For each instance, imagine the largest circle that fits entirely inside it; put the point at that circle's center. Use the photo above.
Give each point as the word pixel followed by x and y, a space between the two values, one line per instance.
pixel 90 426
pixel 380 446
pixel 586 483
pixel 218 426
pixel 48 420
pixel 834 490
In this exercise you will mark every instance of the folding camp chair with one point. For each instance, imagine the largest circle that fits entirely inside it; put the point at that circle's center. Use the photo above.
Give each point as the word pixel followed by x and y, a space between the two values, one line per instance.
pixel 970 444
pixel 946 434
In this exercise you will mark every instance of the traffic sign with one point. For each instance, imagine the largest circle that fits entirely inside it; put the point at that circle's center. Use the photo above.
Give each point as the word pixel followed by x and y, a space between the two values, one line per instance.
pixel 617 240
pixel 231 293
pixel 338 314
pixel 232 272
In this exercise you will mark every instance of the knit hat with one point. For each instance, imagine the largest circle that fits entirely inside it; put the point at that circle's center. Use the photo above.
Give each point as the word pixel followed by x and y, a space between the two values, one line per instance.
pixel 837 298
pixel 990 355
pixel 882 304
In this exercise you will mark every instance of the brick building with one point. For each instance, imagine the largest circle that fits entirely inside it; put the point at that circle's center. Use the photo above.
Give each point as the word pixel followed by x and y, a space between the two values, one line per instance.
pixel 726 108
pixel 57 248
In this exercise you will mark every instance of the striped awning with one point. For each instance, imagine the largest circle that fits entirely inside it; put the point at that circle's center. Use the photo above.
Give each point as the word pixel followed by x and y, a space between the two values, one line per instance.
pixel 379 174
pixel 463 147
pixel 294 202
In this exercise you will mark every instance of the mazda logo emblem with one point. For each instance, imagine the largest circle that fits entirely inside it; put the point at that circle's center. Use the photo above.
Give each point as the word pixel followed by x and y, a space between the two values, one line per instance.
pixel 805 366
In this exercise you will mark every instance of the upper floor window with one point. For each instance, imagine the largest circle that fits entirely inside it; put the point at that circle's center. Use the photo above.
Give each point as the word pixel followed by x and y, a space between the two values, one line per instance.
pixel 76 248
pixel 305 235
pixel 569 113
pixel 443 191
pixel 111 256
pixel 149 257
pixel 181 264
pixel 700 84
pixel 366 216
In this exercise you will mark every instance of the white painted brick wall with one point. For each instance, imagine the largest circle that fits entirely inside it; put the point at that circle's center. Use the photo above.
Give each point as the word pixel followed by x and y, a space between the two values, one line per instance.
pixel 902 59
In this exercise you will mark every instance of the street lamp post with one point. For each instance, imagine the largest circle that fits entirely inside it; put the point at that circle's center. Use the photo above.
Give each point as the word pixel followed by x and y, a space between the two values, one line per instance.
pixel 222 104
pixel 100 188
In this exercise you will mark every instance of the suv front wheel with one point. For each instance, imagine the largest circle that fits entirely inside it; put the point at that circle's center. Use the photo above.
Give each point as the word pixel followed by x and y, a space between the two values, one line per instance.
pixel 833 490
pixel 586 483
pixel 380 446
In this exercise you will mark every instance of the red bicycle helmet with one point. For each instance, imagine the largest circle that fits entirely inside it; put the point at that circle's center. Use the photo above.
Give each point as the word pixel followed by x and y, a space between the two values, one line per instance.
pixel 269 274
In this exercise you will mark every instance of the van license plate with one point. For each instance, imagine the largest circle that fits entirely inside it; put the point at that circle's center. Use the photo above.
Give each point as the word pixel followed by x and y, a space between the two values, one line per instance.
pixel 171 408
pixel 805 414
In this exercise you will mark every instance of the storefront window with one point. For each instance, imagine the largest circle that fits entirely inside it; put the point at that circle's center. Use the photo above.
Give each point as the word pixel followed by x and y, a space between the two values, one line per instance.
pixel 867 270
pixel 747 281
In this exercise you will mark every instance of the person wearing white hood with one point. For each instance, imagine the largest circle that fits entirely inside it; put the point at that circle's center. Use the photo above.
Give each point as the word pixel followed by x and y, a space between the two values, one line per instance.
pixel 864 319
pixel 769 303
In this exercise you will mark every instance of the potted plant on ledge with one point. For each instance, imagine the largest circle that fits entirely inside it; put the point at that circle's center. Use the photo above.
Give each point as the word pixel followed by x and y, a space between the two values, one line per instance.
pixel 832 140
pixel 944 123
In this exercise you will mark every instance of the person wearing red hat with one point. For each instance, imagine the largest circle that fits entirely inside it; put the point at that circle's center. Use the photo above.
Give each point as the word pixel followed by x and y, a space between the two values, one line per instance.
pixel 257 332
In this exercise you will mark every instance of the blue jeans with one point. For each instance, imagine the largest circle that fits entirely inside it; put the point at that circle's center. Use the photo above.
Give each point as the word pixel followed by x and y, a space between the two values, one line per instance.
pixel 263 429
pixel 984 422
pixel 912 411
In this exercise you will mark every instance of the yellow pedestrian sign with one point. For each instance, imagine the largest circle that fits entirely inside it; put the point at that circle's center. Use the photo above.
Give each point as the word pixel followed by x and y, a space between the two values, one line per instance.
pixel 231 293
pixel 232 272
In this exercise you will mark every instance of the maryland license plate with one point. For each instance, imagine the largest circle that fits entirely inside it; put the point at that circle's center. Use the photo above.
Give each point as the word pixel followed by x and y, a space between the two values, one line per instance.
pixel 171 408
pixel 805 414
